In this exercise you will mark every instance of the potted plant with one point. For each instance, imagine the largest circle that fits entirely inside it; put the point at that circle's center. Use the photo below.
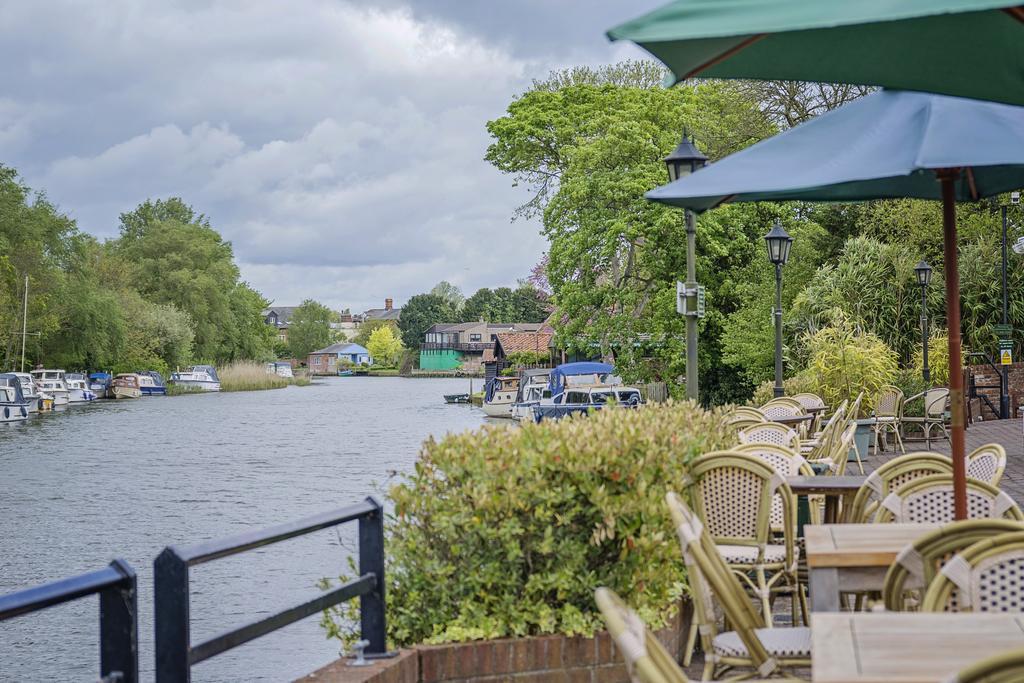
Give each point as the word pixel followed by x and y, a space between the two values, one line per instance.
pixel 846 361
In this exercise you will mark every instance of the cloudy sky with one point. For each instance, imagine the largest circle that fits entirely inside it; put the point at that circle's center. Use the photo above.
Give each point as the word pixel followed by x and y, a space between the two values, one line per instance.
pixel 338 145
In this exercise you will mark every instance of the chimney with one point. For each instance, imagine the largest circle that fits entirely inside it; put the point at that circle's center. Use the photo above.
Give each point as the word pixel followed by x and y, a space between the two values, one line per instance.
pixel 388 304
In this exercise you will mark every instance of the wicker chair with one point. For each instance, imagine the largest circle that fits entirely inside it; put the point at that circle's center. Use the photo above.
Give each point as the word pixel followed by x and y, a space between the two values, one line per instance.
pixel 734 493
pixel 717 591
pixel 646 660
pixel 820 447
pixel 745 412
pixel 1005 667
pixel 930 499
pixel 787 463
pixel 808 401
pixel 773 433
pixel 986 463
pixel 888 415
pixel 841 452
pixel 936 409
pixel 782 407
pixel 890 476
pixel 918 563
pixel 984 577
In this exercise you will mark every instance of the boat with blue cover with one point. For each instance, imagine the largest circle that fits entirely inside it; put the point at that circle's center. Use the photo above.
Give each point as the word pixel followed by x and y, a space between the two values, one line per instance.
pixel 78 388
pixel 99 382
pixel 201 377
pixel 581 388
pixel 152 383
pixel 14 407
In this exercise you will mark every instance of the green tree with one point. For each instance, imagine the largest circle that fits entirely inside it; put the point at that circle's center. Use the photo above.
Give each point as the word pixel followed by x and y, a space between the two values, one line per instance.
pixel 385 346
pixel 419 314
pixel 450 293
pixel 525 304
pixel 369 327
pixel 310 328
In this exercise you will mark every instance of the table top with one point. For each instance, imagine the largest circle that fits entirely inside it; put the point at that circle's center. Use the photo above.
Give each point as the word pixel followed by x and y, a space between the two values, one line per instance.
pixel 859 545
pixel 907 647
pixel 791 419
pixel 814 410
pixel 826 484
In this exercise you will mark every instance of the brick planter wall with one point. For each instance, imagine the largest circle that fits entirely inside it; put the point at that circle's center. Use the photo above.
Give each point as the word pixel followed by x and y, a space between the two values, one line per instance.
pixel 540 659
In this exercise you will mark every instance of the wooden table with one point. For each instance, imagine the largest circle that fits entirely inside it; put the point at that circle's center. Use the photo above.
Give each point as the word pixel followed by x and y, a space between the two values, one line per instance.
pixel 907 647
pixel 791 419
pixel 835 489
pixel 853 557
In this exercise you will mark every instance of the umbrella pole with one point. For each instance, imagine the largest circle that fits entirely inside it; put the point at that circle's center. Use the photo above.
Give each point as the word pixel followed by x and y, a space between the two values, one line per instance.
pixel 948 179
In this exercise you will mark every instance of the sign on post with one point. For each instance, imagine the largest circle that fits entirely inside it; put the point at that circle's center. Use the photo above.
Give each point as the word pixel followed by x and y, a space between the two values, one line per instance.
pixel 683 295
pixel 1006 351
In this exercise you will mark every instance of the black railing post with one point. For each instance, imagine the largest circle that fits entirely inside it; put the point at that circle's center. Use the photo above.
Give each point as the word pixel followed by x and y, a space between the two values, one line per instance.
pixel 119 626
pixel 371 560
pixel 171 617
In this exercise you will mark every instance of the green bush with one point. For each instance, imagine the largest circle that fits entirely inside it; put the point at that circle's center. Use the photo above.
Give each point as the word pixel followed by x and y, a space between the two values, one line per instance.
pixel 938 358
pixel 844 361
pixel 802 382
pixel 507 532
pixel 524 358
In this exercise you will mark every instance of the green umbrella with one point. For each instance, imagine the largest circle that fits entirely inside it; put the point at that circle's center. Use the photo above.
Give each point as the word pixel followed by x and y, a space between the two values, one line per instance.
pixel 888 144
pixel 967 48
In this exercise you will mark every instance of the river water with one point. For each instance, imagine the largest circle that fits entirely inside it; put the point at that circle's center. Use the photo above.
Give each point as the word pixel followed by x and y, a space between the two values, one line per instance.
pixel 126 478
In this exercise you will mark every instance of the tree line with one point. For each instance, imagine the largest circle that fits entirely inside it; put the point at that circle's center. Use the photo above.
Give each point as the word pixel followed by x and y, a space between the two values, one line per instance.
pixel 165 293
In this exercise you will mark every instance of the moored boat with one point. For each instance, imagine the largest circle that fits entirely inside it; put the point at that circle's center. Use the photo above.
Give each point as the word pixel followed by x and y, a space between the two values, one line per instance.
pixel 52 383
pixel 152 383
pixel 456 398
pixel 280 368
pixel 29 391
pixel 533 388
pixel 499 395
pixel 202 377
pixel 126 385
pixel 99 382
pixel 78 388
pixel 13 404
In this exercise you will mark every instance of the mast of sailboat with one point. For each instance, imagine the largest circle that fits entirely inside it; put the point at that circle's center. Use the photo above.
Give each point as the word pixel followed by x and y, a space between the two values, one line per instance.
pixel 24 325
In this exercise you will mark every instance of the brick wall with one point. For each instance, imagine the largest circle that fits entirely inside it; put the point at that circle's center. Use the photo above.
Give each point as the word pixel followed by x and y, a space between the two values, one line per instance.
pixel 541 659
pixel 983 374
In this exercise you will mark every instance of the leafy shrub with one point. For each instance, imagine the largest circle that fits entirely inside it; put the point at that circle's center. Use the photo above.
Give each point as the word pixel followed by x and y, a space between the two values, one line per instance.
pixel 844 361
pixel 523 358
pixel 911 383
pixel 802 382
pixel 507 532
pixel 938 358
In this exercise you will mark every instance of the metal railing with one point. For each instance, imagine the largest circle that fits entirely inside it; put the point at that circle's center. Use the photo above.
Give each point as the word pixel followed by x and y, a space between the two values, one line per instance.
pixel 175 653
pixel 1003 411
pixel 116 586
pixel 456 346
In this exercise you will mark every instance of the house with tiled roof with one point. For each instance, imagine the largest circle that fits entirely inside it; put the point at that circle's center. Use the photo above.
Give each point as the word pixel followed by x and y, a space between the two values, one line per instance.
pixel 448 346
pixel 328 361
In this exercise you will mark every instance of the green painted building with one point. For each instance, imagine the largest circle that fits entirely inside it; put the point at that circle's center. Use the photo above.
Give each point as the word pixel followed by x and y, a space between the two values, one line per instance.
pixel 440 359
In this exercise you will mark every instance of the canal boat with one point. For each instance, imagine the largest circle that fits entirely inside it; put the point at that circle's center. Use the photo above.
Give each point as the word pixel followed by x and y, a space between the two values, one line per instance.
pixel 99 382
pixel 201 377
pixel 533 388
pixel 13 404
pixel 152 383
pixel 52 382
pixel 127 385
pixel 499 395
pixel 78 388
pixel 29 391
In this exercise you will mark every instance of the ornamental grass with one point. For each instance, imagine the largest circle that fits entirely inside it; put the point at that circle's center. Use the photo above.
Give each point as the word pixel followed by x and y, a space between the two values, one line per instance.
pixel 249 376
pixel 506 531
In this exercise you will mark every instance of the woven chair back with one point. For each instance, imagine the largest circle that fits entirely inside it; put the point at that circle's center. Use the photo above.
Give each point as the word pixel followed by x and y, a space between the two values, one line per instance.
pixel 809 400
pixel 918 564
pixel 930 500
pixel 936 402
pixel 771 432
pixel 782 407
pixel 890 476
pixel 646 659
pixel 786 463
pixel 987 576
pixel 745 413
pixel 986 463
pixel 840 454
pixel 889 402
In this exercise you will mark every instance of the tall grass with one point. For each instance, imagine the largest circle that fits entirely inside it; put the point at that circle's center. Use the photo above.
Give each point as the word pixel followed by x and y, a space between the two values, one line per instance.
pixel 249 376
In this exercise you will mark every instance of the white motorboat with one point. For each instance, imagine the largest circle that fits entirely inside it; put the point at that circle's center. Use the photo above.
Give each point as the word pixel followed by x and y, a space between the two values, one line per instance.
pixel 201 377
pixel 533 388
pixel 28 390
pixel 52 382
pixel 281 369
pixel 13 404
pixel 499 395
pixel 78 388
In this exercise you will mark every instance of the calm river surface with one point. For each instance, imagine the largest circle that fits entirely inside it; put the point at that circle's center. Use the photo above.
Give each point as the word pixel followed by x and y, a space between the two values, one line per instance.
pixel 125 478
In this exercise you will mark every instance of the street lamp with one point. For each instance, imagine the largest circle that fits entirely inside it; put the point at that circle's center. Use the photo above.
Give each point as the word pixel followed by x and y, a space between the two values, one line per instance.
pixel 684 160
pixel 924 277
pixel 779 243
pixel 1005 330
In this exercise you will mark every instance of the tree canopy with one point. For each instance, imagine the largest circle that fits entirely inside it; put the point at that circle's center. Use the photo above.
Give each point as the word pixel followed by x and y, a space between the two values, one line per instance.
pixel 309 328
pixel 420 313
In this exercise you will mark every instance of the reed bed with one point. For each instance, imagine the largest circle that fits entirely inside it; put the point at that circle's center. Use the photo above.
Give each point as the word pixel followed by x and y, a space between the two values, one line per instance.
pixel 249 376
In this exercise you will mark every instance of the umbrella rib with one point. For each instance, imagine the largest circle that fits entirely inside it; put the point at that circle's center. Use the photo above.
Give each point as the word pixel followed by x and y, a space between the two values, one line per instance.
pixel 725 55
pixel 1015 12
pixel 971 184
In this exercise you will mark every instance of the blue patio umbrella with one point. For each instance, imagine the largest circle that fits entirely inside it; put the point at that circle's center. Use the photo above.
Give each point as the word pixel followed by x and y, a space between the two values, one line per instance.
pixel 886 145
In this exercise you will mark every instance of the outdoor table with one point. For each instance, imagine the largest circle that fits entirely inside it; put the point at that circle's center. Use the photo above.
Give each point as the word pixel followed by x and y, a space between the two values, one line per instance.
pixel 853 557
pixel 791 419
pixel 835 489
pixel 814 410
pixel 909 647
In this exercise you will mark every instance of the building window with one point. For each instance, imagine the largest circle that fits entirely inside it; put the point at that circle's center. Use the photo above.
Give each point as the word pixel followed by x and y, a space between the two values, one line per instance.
pixel 494 337
pixel 316 360
pixel 474 337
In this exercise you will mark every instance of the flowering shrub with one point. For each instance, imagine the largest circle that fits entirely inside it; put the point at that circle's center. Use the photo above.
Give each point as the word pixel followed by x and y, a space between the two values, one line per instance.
pixel 507 532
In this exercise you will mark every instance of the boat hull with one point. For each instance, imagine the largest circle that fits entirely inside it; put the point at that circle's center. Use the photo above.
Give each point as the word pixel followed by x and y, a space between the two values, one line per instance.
pixel 497 409
pixel 198 384
pixel 154 391
pixel 60 398
pixel 127 392
pixel 81 395
pixel 13 412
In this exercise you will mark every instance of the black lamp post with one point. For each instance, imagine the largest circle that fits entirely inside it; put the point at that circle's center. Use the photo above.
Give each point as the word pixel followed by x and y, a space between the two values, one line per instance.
pixel 684 160
pixel 924 277
pixel 779 243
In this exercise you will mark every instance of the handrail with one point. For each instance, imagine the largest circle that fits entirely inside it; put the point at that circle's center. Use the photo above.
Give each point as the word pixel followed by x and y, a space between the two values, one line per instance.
pixel 1003 410
pixel 117 588
pixel 175 654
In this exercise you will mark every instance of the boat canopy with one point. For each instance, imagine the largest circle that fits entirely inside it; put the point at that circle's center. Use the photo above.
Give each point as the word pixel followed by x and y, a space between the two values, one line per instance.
pixel 209 369
pixel 13 384
pixel 157 378
pixel 559 374
pixel 103 376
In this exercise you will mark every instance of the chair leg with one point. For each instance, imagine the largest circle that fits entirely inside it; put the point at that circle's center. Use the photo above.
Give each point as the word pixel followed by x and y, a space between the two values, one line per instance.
pixel 691 644
pixel 899 439
pixel 877 428
pixel 765 594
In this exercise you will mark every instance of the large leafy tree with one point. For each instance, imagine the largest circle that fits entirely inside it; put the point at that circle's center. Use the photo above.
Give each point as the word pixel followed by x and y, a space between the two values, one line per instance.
pixel 385 346
pixel 450 293
pixel 589 148
pixel 524 304
pixel 420 313
pixel 310 328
